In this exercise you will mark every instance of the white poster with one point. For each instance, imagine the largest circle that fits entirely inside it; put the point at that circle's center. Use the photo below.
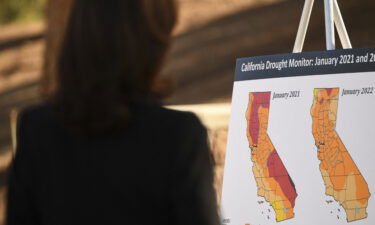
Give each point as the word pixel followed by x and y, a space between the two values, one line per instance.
pixel 301 144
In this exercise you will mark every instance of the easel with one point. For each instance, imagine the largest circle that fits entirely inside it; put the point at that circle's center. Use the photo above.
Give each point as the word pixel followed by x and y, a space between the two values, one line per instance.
pixel 332 17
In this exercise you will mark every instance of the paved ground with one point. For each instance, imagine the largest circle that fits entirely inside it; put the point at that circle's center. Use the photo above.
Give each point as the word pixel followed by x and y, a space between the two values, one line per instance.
pixel 211 35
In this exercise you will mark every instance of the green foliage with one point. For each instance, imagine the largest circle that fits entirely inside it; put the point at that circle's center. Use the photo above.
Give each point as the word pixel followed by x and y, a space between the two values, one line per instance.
pixel 21 10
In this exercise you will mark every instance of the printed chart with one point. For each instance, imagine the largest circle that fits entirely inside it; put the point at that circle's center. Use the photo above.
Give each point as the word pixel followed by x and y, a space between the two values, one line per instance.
pixel 272 178
pixel 301 140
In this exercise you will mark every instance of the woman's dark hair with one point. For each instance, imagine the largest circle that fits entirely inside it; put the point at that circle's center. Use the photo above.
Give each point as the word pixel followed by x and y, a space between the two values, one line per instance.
pixel 111 55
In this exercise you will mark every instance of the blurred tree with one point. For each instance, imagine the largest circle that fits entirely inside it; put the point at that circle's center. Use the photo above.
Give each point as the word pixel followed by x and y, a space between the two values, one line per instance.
pixel 57 13
pixel 20 10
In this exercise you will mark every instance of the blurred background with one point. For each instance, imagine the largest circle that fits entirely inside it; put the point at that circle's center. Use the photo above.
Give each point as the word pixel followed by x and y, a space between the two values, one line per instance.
pixel 210 36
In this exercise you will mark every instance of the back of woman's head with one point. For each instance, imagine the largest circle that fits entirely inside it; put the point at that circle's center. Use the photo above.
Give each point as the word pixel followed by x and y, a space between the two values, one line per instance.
pixel 112 52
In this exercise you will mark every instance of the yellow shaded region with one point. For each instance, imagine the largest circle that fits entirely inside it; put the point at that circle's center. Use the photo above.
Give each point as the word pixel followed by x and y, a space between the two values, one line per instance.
pixel 341 176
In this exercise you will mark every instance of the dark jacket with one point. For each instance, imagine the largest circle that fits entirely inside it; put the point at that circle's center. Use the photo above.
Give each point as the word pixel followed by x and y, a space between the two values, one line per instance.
pixel 157 170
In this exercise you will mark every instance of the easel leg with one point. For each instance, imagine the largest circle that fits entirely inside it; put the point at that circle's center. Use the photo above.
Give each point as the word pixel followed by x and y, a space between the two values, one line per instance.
pixel 304 23
pixel 341 29
pixel 330 27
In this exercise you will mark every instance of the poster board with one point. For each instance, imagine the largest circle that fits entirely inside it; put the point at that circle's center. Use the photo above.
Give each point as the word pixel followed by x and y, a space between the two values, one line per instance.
pixel 301 143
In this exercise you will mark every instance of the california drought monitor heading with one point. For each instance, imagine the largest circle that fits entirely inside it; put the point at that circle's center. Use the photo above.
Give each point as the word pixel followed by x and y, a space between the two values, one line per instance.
pixel 342 178
pixel 272 178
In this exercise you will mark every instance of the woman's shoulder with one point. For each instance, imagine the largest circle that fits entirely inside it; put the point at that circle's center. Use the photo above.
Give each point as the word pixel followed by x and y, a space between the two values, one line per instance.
pixel 36 120
pixel 43 112
pixel 37 113
pixel 36 110
pixel 41 117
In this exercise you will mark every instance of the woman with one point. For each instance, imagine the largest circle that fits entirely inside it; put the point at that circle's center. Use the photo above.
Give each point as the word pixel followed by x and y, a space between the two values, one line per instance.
pixel 102 150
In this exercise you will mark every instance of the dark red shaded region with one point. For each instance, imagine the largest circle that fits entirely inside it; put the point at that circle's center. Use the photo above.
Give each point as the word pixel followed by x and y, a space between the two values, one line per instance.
pixel 260 99
pixel 329 91
pixel 278 171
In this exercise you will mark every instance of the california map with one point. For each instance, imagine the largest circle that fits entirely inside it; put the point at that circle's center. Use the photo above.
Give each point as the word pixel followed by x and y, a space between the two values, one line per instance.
pixel 272 178
pixel 342 178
